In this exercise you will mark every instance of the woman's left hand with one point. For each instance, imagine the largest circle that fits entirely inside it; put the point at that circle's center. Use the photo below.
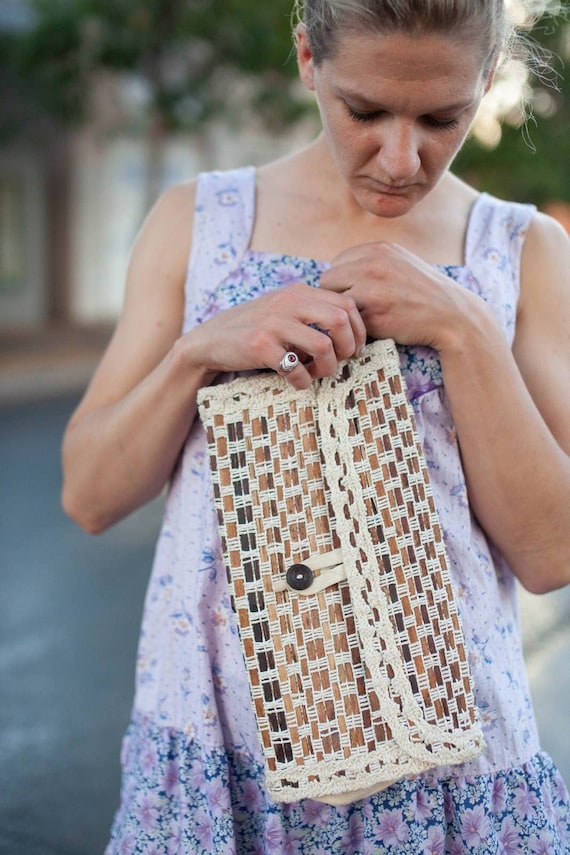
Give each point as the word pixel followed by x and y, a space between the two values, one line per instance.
pixel 400 296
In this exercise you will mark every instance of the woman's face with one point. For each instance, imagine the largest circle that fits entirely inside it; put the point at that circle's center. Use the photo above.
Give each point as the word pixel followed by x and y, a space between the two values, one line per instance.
pixel 395 111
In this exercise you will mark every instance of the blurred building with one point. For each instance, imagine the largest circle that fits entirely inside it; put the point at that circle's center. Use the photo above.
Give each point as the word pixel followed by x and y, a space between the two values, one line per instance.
pixel 70 211
pixel 71 202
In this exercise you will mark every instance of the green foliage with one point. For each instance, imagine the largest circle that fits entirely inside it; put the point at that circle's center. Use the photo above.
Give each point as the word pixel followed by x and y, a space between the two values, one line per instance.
pixel 532 162
pixel 178 47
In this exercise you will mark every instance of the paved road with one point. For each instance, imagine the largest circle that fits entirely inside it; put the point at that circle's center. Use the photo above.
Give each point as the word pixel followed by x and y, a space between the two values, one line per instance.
pixel 69 618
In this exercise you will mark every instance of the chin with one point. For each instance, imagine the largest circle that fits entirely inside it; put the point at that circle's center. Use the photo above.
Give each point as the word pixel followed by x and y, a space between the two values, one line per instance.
pixel 388 205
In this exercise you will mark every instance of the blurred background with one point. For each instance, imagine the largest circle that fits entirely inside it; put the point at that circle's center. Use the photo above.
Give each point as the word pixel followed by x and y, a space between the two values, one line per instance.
pixel 103 104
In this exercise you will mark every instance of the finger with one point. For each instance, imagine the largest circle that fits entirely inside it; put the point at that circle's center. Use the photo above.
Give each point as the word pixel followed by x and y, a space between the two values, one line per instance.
pixel 292 369
pixel 322 310
pixel 344 278
pixel 289 361
pixel 347 345
pixel 337 316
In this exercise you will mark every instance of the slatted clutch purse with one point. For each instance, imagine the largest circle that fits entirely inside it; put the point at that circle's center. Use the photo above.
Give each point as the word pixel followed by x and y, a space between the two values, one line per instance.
pixel 339 579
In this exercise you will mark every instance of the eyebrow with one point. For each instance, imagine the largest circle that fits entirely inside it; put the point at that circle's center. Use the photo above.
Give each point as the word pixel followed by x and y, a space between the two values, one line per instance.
pixel 374 106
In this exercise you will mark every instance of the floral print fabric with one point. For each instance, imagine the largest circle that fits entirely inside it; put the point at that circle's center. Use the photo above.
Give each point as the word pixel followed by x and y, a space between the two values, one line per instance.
pixel 179 800
pixel 192 763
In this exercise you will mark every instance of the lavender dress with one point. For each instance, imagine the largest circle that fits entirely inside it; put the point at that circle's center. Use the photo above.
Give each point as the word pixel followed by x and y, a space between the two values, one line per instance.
pixel 192 764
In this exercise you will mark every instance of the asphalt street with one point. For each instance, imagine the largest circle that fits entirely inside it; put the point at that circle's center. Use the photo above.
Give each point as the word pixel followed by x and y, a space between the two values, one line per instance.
pixel 69 618
pixel 70 613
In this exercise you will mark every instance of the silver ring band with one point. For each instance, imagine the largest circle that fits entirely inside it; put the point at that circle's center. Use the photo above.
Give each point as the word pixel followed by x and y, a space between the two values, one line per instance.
pixel 289 361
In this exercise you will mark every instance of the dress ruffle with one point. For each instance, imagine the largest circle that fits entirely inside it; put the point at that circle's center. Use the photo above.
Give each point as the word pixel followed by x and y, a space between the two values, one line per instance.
pixel 178 799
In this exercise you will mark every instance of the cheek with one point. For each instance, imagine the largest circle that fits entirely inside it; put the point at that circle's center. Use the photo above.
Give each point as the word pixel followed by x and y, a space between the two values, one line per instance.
pixel 441 150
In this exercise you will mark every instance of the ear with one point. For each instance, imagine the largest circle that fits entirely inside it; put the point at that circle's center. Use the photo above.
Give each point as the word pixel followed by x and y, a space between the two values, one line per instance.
pixel 305 60
pixel 491 75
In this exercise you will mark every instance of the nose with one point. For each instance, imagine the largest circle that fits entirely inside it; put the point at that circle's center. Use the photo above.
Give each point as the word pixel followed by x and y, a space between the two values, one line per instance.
pixel 398 151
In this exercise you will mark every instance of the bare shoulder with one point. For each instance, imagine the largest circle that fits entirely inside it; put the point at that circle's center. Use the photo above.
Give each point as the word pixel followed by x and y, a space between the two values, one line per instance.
pixel 545 265
pixel 169 224
pixel 544 240
pixel 542 341
pixel 153 306
pixel 157 270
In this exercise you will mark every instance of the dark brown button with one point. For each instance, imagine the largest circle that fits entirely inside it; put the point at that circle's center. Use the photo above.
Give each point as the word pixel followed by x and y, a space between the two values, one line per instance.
pixel 299 577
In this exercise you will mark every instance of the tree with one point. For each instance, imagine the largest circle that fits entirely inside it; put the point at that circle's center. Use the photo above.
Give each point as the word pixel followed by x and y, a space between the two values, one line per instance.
pixel 532 160
pixel 187 54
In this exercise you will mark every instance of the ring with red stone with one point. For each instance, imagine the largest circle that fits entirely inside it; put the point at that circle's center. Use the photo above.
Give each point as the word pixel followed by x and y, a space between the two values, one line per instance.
pixel 289 361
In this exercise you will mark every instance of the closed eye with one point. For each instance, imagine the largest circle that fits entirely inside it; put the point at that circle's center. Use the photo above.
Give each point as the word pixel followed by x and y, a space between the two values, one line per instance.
pixel 363 117
pixel 439 124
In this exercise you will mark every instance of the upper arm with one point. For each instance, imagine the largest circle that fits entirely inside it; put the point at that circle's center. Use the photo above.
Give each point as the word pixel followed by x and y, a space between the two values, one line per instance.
pixel 542 342
pixel 153 309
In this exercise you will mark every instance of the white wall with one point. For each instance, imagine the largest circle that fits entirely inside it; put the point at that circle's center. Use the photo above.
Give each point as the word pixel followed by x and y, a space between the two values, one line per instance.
pixel 24 302
pixel 108 200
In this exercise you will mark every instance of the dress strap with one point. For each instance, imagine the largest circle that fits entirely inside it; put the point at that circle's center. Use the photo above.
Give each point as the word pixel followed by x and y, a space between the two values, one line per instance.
pixel 493 251
pixel 223 222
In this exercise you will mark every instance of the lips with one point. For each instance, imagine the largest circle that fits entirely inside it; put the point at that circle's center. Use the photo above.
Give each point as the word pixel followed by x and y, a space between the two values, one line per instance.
pixel 396 189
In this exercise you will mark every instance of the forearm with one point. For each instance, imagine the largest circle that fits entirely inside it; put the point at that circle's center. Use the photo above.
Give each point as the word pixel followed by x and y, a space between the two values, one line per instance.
pixel 518 476
pixel 119 456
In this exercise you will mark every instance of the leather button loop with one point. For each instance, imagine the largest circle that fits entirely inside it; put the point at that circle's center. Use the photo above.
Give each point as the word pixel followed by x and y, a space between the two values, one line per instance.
pixel 299 577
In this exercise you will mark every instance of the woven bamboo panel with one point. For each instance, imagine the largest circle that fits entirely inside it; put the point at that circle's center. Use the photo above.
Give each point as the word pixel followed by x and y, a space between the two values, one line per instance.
pixel 362 677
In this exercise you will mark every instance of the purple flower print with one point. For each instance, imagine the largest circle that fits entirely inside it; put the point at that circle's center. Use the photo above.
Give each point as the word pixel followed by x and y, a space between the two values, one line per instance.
pixel 546 799
pixel 273 835
pixel 497 258
pixel 228 197
pixel 149 757
pixel 455 847
pixel 559 788
pixel 203 829
pixel 422 807
pixel 128 844
pixel 367 811
pixel 196 778
pixel 561 826
pixel 393 829
pixel 316 814
pixel 174 843
pixel 474 826
pixel 509 837
pixel 219 799
pixel 289 273
pixel 498 795
pixel 251 796
pixel 525 800
pixel 435 844
pixel 418 386
pixel 353 838
pixel 292 842
pixel 541 844
pixel 147 812
pixel 226 253
pixel 421 369
pixel 171 780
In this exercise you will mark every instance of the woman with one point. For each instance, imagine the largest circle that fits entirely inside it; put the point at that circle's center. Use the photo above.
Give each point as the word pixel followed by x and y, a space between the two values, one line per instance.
pixel 477 294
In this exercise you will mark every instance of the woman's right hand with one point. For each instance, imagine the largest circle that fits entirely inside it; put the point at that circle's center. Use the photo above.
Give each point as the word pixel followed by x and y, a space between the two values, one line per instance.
pixel 123 441
pixel 322 327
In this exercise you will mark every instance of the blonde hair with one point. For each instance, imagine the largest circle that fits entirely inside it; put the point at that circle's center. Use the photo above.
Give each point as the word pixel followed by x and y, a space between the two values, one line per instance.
pixel 483 22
